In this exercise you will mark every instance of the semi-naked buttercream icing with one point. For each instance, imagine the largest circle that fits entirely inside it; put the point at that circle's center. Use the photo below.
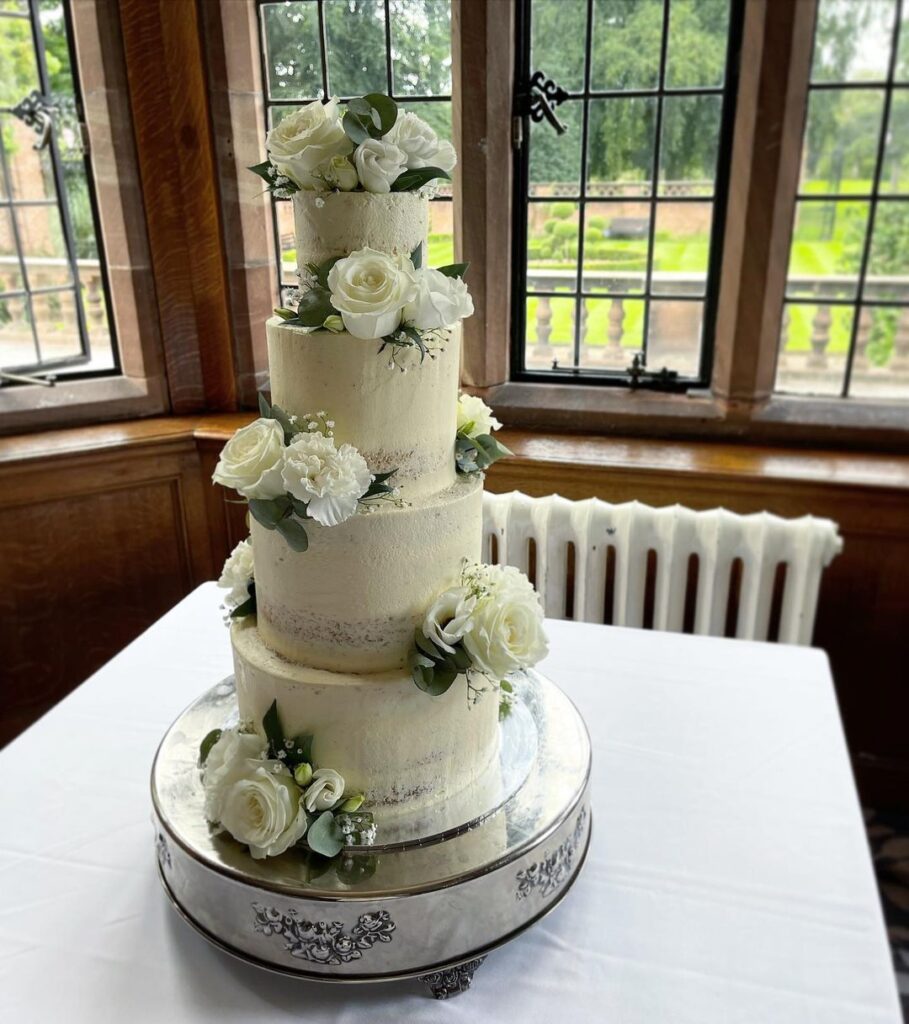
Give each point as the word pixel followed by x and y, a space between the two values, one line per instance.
pixel 397 749
pixel 397 420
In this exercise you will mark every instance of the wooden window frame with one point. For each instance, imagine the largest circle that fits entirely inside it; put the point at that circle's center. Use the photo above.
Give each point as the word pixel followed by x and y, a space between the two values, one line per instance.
pixel 767 145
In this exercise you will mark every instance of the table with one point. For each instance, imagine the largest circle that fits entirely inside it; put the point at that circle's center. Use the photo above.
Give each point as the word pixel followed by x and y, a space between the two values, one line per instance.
pixel 728 880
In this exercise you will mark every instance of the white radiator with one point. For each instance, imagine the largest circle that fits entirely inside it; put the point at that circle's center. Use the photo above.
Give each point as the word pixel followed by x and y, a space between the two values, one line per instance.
pixel 561 531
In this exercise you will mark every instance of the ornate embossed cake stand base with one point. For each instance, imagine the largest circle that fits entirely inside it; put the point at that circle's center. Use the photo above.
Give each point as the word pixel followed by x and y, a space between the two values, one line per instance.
pixel 430 901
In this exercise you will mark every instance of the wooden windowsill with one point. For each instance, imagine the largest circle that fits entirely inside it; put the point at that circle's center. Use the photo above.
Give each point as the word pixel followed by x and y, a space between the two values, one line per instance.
pixel 783 420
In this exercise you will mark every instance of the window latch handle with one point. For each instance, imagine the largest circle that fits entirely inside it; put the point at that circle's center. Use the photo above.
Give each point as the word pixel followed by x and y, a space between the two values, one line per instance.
pixel 539 99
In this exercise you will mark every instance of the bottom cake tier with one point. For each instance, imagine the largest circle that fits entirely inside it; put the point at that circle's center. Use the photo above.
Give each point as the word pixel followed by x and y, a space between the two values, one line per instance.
pixel 406 751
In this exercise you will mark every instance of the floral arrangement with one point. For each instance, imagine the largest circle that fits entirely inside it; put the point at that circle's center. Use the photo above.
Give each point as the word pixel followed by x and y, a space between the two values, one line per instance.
pixel 373 295
pixel 290 472
pixel 237 578
pixel 475 447
pixel 369 147
pixel 267 794
pixel 490 623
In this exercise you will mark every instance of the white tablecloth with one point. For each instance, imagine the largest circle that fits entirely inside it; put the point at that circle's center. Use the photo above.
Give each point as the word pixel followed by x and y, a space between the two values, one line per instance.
pixel 728 880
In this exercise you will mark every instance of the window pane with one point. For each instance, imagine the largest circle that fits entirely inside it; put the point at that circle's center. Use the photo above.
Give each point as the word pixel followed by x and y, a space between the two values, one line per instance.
pixel 17 345
pixel 698 31
pixel 20 70
pixel 421 47
pixel 10 271
pixel 58 326
pixel 615 246
pixel 901 71
pixel 356 47
pixel 552 247
pixel 688 149
pixel 41 239
pixel 437 115
pixel 879 369
pixel 841 138
pixel 674 336
pixel 559 29
pixel 621 146
pixel 555 160
pixel 814 342
pixel 826 250
pixel 681 248
pixel 287 244
pixel 292 59
pixel 852 40
pixel 895 171
pixel 613 333
pixel 888 263
pixel 441 234
pixel 30 170
pixel 626 44
pixel 550 332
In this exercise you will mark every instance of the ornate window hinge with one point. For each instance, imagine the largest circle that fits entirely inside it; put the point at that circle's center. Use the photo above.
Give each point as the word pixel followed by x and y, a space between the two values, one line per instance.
pixel 36 111
pixel 538 100
pixel 639 374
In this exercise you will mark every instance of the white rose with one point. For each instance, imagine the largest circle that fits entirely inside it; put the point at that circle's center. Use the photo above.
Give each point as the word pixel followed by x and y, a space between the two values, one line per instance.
pixel 370 289
pixel 251 460
pixel 330 479
pixel 303 140
pixel 237 572
pixel 506 626
pixel 440 301
pixel 420 144
pixel 448 619
pixel 379 163
pixel 228 760
pixel 264 810
pixel 475 417
pixel 325 790
pixel 339 172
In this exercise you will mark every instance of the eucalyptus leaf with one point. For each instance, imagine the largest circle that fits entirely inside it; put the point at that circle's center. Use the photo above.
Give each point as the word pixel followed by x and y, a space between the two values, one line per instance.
pixel 271 726
pixel 315 307
pixel 354 128
pixel 301 508
pixel 264 406
pixel 269 511
pixel 324 836
pixel 416 177
pixel 427 646
pixel 294 533
pixel 454 269
pixel 301 750
pixel 321 270
pixel 242 610
pixel 205 746
pixel 384 111
pixel 435 681
pixel 416 257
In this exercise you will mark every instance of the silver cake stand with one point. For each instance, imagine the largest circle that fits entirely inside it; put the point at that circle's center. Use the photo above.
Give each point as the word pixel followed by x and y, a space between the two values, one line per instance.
pixel 429 901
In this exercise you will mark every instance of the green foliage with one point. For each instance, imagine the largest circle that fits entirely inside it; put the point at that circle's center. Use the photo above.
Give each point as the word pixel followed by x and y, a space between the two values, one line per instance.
pixel 473 454
pixel 561 210
pixel 294 750
pixel 248 607
pixel 324 835
pixel 211 738
pixel 411 180
pixel 454 270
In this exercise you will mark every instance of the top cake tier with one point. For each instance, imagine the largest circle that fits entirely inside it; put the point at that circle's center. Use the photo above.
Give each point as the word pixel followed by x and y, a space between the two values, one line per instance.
pixel 330 224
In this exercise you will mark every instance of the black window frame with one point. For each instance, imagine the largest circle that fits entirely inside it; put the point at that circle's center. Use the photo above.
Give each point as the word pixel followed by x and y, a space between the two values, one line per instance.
pixel 638 374
pixel 44 368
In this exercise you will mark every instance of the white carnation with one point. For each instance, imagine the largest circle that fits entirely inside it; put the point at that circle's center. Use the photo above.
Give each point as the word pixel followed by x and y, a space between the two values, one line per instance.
pixel 475 418
pixel 237 572
pixel 231 758
pixel 506 626
pixel 306 139
pixel 440 301
pixel 251 460
pixel 420 144
pixel 329 479
pixel 264 810
pixel 370 289
pixel 379 163
pixel 448 619
pixel 325 790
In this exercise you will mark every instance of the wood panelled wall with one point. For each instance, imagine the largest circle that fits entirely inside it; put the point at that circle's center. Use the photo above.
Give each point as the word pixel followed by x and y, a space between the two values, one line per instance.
pixel 103 529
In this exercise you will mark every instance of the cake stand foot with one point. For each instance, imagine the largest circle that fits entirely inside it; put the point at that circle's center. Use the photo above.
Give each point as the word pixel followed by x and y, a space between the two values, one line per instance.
pixel 443 984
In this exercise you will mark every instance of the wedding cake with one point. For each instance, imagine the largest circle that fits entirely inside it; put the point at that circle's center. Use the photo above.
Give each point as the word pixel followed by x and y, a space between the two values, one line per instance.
pixel 372 649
